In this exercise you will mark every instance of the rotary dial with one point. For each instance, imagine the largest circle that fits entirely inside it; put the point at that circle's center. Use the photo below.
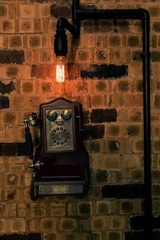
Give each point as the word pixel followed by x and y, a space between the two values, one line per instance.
pixel 59 135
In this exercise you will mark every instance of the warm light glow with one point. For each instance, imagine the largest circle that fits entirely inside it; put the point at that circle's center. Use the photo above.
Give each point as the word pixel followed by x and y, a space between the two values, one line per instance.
pixel 60 69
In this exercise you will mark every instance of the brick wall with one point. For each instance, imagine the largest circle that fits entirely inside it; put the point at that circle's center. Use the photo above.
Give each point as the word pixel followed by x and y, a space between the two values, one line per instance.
pixel 104 73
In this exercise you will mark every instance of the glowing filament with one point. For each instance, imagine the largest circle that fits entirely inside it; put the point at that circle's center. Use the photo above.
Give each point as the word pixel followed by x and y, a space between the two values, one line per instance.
pixel 60 72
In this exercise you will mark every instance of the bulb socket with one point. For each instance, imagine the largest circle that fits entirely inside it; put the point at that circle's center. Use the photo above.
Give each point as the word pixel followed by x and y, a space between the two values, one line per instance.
pixel 60 43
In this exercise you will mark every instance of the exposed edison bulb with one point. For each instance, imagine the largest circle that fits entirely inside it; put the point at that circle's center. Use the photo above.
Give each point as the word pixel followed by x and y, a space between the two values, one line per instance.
pixel 60 69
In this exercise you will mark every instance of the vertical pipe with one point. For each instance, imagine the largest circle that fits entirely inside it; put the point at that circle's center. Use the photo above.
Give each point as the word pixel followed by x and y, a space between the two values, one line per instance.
pixel 147 137
pixel 75 18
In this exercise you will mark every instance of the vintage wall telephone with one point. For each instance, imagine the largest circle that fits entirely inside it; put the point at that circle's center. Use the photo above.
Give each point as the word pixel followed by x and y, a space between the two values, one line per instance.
pixel 60 162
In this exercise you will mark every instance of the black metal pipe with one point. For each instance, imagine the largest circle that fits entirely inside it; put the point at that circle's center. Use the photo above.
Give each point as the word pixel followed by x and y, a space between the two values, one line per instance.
pixel 111 14
pixel 147 127
pixel 75 19
pixel 143 15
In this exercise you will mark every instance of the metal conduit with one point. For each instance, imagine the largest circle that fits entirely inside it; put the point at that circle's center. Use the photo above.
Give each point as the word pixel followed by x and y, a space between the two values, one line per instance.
pixel 143 15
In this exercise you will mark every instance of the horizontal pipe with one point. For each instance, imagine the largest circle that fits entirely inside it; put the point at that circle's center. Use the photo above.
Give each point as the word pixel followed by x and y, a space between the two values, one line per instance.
pixel 112 14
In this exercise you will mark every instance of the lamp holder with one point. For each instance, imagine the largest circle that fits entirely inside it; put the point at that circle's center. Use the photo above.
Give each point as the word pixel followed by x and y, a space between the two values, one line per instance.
pixel 60 42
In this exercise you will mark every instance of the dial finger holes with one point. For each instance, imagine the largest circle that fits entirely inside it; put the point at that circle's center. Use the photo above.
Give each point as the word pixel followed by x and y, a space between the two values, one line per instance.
pixel 59 136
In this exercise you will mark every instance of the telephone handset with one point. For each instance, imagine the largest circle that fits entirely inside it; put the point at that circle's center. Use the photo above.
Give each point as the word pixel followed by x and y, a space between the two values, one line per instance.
pixel 60 162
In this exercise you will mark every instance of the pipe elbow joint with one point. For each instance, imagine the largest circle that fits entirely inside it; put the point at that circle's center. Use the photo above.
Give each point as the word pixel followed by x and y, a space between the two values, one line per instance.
pixel 63 23
pixel 145 14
